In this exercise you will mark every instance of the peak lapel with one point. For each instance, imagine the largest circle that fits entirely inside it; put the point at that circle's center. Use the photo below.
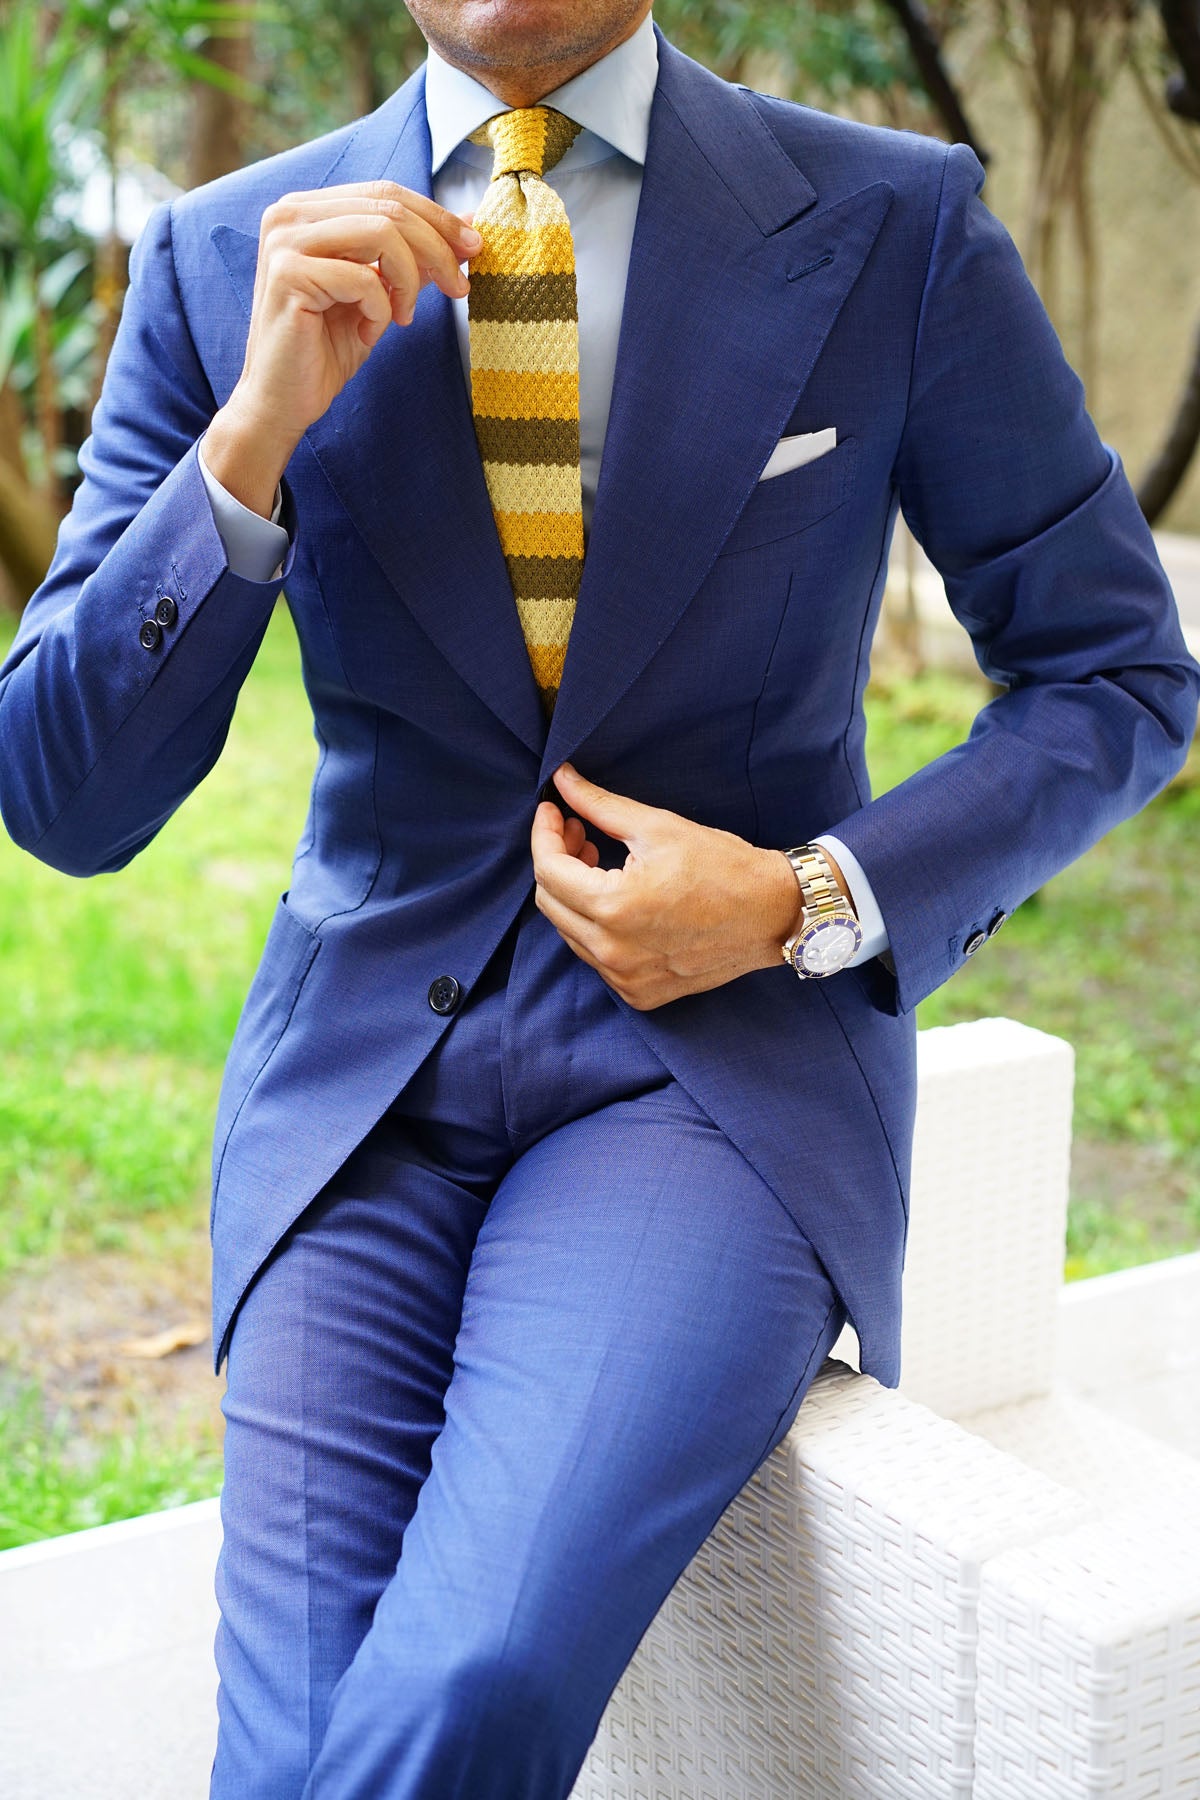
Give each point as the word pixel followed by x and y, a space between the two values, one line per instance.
pixel 735 280
pixel 398 448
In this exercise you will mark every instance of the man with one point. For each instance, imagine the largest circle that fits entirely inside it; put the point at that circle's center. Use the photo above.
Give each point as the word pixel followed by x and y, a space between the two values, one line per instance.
pixel 541 1183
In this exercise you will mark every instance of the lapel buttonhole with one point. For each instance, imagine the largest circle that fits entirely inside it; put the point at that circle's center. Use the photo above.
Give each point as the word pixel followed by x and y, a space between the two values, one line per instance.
pixel 810 268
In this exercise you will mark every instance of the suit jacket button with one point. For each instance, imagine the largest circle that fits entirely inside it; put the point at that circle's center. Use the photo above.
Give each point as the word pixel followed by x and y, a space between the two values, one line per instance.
pixel 166 612
pixel 973 942
pixel 150 636
pixel 444 994
pixel 999 919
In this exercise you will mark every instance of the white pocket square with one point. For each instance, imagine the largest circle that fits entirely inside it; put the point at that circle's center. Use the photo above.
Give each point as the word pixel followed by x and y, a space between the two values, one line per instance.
pixel 794 452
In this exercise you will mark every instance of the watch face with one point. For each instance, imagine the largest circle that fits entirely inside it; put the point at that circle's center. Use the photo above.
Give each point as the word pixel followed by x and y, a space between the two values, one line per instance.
pixel 829 947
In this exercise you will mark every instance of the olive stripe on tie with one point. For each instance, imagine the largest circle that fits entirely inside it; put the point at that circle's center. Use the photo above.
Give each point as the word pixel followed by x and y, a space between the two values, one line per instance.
pixel 524 336
pixel 526 440
pixel 545 577
pixel 522 296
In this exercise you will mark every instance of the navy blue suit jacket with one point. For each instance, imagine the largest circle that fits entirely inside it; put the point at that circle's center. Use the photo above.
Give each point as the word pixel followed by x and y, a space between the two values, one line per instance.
pixel 789 271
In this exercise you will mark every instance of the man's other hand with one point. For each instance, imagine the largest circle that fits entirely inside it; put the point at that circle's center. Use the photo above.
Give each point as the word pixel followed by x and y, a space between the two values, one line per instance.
pixel 336 267
pixel 690 909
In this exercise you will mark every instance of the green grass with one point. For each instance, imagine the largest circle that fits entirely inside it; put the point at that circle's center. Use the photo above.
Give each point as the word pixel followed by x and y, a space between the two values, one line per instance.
pixel 51 1483
pixel 122 991
pixel 1104 956
pixel 121 994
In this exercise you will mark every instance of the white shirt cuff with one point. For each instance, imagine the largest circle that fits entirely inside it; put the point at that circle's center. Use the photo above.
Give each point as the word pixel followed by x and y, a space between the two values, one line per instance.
pixel 255 548
pixel 875 937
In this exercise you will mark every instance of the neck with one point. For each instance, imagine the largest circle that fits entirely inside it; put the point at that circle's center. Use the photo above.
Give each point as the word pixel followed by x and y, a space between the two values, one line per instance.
pixel 527 84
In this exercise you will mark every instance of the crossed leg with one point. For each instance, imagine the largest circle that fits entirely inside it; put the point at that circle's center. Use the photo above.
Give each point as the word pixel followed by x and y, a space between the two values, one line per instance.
pixel 472 1443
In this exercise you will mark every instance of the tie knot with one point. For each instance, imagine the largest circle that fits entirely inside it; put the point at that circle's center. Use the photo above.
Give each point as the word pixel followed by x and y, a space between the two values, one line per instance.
pixel 527 138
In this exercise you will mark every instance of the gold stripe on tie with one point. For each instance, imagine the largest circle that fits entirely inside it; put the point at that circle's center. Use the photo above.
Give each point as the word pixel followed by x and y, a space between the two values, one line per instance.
pixel 524 333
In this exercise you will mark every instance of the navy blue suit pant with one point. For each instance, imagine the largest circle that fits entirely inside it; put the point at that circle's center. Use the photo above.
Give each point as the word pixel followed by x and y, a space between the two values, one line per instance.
pixel 486 1400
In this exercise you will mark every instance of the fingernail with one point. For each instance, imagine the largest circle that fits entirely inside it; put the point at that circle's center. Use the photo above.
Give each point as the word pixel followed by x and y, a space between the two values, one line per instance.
pixel 471 237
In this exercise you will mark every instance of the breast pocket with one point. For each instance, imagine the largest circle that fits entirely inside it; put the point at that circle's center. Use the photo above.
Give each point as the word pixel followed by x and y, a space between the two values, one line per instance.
pixel 789 503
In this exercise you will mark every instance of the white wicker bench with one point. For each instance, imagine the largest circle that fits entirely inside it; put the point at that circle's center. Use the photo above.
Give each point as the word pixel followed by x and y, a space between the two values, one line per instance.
pixel 977 1585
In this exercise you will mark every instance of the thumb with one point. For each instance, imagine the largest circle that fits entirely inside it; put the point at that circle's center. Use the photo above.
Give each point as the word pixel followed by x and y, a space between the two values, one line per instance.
pixel 614 814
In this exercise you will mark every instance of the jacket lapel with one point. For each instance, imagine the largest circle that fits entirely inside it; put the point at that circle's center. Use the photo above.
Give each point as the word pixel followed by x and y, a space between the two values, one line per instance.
pixel 735 281
pixel 398 448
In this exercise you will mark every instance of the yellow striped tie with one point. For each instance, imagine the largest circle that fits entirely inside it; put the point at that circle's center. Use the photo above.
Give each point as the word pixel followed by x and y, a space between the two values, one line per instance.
pixel 524 334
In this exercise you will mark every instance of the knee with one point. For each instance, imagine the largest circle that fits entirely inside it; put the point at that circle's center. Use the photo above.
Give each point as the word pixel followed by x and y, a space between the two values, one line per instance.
pixel 508 1684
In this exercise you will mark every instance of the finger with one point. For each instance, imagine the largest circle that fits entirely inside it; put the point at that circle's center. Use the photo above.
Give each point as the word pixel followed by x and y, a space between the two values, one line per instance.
pixel 614 814
pixel 547 836
pixel 579 933
pixel 323 282
pixel 571 880
pixel 577 843
pixel 408 252
pixel 431 252
pixel 382 196
pixel 447 224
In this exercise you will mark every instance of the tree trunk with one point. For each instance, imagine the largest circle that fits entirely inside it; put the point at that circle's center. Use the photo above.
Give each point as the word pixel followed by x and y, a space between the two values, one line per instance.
pixel 28 529
pixel 1162 479
pixel 935 77
pixel 366 89
pixel 110 257
pixel 49 418
pixel 217 136
pixel 1181 22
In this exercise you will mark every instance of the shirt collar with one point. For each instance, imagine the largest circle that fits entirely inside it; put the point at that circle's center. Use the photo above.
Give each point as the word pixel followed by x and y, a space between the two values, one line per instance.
pixel 611 99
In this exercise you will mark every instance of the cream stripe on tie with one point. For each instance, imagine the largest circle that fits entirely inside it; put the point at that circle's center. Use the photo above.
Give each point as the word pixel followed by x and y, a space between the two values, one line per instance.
pixel 524 334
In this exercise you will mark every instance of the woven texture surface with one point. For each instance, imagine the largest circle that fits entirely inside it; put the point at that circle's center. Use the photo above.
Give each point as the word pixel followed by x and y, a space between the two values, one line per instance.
pixel 984 1262
pixel 821 1644
pixel 524 334
pixel 1089 1663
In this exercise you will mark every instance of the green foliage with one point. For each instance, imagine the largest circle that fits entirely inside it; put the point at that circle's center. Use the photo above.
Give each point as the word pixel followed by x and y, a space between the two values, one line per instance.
pixel 118 41
pixel 1101 956
pixel 64 289
pixel 122 992
pixel 51 1483
pixel 41 92
pixel 828 49
pixel 327 64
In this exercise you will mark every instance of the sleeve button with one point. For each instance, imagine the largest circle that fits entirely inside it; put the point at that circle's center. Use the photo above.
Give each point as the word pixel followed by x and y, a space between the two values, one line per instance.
pixel 973 942
pixel 150 635
pixel 999 919
pixel 166 612
pixel 444 994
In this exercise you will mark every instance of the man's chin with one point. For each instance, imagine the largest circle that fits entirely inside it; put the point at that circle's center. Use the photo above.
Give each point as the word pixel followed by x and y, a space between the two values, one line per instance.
pixel 490 36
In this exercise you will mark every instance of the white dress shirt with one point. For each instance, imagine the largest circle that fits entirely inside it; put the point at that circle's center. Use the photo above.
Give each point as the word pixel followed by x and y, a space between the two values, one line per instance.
pixel 599 179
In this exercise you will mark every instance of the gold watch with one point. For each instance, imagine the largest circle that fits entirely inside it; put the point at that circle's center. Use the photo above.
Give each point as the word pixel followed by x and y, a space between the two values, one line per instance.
pixel 829 933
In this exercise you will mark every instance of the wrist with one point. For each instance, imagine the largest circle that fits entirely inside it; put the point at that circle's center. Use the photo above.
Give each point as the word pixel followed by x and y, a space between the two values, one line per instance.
pixel 246 455
pixel 828 934
pixel 782 903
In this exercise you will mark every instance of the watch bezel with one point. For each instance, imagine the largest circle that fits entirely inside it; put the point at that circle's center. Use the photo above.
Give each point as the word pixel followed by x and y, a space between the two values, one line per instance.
pixel 800 942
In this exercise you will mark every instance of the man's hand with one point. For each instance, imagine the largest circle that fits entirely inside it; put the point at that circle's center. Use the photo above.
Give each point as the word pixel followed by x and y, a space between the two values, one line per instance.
pixel 336 267
pixel 690 909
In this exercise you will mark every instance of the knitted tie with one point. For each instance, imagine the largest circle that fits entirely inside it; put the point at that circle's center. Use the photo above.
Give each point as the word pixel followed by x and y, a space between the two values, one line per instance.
pixel 524 336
